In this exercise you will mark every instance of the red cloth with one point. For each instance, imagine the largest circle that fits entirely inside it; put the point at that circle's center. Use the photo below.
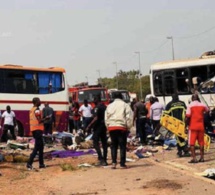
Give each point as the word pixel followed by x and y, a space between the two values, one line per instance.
pixel 76 115
pixel 195 111
pixel 196 136
pixel 113 128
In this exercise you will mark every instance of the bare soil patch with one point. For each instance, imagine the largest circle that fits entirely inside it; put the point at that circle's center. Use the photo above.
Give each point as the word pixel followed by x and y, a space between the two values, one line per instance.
pixel 163 184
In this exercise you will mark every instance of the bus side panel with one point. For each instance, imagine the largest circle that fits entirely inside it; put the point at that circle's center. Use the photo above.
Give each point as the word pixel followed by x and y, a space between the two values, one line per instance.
pixel 23 117
pixel 61 118
pixel 61 121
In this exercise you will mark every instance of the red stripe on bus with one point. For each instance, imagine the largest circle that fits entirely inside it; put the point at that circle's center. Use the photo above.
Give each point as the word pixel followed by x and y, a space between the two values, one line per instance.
pixel 30 102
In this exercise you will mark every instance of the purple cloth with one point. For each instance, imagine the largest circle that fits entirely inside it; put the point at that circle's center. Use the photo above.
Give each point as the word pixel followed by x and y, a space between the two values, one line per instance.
pixel 68 153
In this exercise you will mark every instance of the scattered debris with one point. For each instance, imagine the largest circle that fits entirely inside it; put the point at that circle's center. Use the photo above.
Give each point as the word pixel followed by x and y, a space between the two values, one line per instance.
pixel 210 173
pixel 84 165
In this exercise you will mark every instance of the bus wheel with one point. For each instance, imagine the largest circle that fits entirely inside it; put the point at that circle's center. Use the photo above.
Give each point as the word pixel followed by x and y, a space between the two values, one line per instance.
pixel 19 131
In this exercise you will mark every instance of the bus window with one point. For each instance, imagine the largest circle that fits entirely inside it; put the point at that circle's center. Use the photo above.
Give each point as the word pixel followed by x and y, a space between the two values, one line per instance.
pixel 169 82
pixel 181 76
pixel 50 82
pixel 200 72
pixel 158 83
pixel 211 70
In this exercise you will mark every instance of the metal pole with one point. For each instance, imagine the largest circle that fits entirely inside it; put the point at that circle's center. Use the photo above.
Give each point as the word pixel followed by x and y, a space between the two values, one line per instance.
pixel 141 91
pixel 99 76
pixel 117 82
pixel 87 79
pixel 173 54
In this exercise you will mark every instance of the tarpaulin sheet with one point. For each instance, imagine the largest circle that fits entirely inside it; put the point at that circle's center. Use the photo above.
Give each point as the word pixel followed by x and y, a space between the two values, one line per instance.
pixel 68 153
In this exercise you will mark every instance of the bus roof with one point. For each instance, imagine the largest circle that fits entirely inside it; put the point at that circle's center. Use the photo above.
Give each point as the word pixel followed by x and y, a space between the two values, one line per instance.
pixel 19 67
pixel 183 63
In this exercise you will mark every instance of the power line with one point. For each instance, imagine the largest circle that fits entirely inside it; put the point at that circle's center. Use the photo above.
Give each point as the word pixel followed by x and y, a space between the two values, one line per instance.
pixel 161 45
pixel 196 35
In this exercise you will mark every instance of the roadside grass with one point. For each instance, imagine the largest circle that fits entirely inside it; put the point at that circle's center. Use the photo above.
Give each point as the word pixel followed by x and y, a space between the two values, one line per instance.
pixel 67 167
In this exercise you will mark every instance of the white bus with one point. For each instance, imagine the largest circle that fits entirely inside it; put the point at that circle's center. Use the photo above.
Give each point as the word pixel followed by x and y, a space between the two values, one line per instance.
pixel 20 84
pixel 182 77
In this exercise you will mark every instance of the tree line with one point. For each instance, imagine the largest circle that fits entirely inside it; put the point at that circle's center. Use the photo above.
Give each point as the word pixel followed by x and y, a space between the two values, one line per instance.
pixel 129 80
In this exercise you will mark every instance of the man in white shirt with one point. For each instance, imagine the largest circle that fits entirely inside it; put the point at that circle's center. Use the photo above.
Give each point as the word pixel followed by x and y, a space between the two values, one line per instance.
pixel 9 124
pixel 155 114
pixel 86 113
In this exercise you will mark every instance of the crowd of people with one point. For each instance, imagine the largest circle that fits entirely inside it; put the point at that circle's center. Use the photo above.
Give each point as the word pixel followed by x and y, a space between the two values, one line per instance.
pixel 117 119
pixel 193 116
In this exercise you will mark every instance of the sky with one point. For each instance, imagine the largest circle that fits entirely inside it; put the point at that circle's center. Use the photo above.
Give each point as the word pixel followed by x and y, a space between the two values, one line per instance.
pixel 86 37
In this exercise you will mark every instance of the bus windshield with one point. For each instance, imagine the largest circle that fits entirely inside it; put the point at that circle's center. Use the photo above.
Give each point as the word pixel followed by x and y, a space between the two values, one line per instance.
pixel 90 94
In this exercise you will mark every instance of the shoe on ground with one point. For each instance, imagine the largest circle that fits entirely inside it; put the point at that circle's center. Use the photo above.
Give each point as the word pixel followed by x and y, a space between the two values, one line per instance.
pixel 104 163
pixel 186 154
pixel 29 167
pixel 158 137
pixel 124 167
pixel 113 166
pixel 193 161
pixel 179 154
pixel 201 160
pixel 42 166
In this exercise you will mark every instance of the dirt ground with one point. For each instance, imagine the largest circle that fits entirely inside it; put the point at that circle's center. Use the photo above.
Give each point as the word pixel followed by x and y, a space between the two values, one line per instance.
pixel 161 174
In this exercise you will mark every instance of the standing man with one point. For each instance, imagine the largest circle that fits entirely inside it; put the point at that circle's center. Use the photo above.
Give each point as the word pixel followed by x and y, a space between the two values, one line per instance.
pixel 85 110
pixel 156 110
pixel 134 101
pixel 36 128
pixel 100 130
pixel 9 123
pixel 118 120
pixel 195 122
pixel 149 102
pixel 177 109
pixel 140 115
pixel 49 113
pixel 71 122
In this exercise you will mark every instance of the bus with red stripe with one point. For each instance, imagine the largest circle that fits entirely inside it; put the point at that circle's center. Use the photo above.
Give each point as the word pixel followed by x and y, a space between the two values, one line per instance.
pixel 20 84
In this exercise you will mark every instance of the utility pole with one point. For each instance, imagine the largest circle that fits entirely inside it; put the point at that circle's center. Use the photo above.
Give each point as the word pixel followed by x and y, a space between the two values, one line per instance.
pixel 87 79
pixel 173 54
pixel 141 91
pixel 117 81
pixel 100 82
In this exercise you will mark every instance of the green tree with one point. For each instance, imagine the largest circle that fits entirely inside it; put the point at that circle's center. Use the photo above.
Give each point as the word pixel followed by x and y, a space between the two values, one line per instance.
pixel 129 81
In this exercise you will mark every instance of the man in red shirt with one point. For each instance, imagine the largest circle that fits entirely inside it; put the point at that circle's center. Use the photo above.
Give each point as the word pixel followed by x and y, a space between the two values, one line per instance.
pixel 195 122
